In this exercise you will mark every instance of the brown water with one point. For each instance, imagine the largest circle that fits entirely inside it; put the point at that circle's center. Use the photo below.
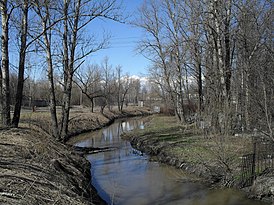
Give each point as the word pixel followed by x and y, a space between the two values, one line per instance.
pixel 124 177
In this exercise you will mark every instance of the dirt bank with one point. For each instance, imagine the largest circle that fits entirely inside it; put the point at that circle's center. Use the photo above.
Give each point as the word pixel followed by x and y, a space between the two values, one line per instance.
pixel 36 169
pixel 214 159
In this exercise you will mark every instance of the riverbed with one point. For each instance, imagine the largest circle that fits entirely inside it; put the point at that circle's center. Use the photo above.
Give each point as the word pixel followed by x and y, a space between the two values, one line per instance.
pixel 125 176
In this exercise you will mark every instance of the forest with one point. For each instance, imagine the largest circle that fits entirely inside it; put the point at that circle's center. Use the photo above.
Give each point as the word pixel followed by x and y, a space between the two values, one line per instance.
pixel 211 61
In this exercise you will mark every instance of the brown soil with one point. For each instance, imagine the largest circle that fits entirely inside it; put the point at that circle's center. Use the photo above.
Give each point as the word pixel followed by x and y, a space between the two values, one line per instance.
pixel 36 169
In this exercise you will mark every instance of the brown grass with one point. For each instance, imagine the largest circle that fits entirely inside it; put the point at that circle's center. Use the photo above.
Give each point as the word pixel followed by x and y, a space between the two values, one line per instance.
pixel 36 169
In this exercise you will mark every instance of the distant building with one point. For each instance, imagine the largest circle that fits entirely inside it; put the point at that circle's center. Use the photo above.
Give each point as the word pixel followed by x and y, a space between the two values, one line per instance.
pixel 40 103
pixel 28 102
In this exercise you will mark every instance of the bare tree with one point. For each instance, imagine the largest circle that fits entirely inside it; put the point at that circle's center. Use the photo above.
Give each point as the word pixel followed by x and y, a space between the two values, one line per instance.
pixel 217 25
pixel 167 24
pixel 196 38
pixel 156 47
pixel 47 18
pixel 254 72
pixel 24 45
pixel 5 87
pixel 21 67
pixel 108 83
pixel 123 86
pixel 74 16
pixel 83 12
pixel 222 44
pixel 89 83
pixel 125 89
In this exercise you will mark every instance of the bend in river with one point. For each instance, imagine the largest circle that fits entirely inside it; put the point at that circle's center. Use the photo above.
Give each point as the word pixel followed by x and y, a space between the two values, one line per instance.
pixel 124 177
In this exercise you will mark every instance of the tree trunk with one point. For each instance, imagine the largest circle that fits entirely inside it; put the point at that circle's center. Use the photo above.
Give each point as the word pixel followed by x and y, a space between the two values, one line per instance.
pixel 5 65
pixel 219 51
pixel 53 113
pixel 65 106
pixel 47 36
pixel 21 67
pixel 200 86
pixel 268 115
pixel 228 50
pixel 247 103
pixel 92 105
pixel 69 63
pixel 1 96
pixel 123 99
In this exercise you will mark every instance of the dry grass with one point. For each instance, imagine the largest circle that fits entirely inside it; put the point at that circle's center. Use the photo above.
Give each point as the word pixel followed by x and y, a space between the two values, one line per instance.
pixel 81 119
pixel 184 143
pixel 36 169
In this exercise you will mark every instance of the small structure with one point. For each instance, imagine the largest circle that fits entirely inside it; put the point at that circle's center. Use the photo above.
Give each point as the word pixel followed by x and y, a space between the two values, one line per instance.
pixel 140 103
pixel 156 109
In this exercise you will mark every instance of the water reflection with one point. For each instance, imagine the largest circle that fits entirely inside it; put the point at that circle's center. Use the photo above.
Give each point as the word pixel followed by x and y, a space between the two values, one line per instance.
pixel 125 178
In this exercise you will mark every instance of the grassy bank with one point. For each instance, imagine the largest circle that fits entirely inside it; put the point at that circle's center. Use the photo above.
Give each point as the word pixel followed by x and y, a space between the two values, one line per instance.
pixel 217 159
pixel 36 169
pixel 81 119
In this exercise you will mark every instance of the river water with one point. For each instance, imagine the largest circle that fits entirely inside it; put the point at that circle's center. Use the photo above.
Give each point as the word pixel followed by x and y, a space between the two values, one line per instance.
pixel 126 177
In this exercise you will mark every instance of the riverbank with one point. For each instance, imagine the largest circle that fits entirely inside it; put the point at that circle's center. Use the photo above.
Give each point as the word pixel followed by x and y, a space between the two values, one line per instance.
pixel 36 169
pixel 212 158
pixel 82 120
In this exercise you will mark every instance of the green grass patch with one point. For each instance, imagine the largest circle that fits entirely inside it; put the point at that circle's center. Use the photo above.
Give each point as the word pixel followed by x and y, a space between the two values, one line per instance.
pixel 183 142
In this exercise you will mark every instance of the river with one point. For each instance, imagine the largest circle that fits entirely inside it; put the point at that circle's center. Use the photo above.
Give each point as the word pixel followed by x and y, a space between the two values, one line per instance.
pixel 126 177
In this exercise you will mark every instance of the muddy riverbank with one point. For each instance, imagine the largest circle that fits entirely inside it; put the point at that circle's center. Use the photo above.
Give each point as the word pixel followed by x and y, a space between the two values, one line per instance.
pixel 216 161
pixel 36 169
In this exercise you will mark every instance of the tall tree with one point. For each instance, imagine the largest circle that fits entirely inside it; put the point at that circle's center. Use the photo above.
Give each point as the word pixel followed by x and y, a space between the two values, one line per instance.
pixel 77 15
pixel 254 64
pixel 218 54
pixel 5 87
pixel 196 38
pixel 71 59
pixel 222 44
pixel 48 19
pixel 26 41
pixel 157 47
pixel 22 58
pixel 74 16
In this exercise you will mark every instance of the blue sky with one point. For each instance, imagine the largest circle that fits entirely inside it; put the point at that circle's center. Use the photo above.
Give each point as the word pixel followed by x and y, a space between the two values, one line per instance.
pixel 125 37
pixel 121 51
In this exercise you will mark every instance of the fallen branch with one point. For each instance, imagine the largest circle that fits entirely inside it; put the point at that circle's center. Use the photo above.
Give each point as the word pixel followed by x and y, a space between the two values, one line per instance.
pixel 10 195
pixel 93 150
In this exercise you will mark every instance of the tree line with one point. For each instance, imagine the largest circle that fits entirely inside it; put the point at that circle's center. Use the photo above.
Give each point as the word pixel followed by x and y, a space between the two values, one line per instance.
pixel 210 59
pixel 215 54
pixel 94 85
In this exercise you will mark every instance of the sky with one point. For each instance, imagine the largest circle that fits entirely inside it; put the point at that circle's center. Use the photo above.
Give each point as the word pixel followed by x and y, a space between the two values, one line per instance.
pixel 121 51
pixel 123 43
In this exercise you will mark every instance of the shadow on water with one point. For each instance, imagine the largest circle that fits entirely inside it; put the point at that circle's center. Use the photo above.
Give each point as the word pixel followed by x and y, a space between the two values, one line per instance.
pixel 124 177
